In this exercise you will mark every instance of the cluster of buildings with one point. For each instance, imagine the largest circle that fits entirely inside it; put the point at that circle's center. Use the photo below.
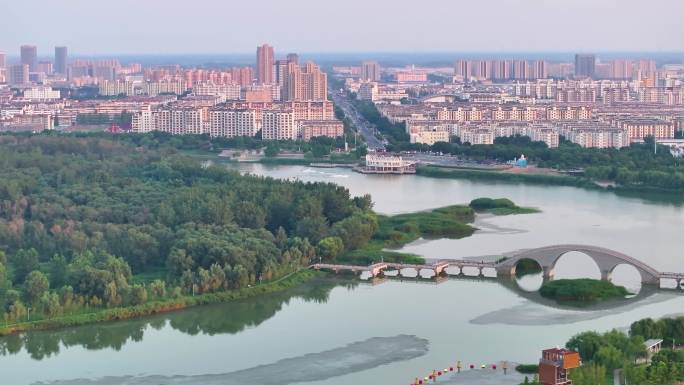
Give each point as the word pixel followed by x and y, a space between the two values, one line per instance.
pixel 281 98
pixel 590 102
pixel 275 120
pixel 286 101
pixel 583 125
pixel 584 66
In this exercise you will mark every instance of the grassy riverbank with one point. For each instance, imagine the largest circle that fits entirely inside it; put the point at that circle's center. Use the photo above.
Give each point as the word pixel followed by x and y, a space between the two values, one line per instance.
pixel 160 306
pixel 581 291
pixel 452 222
pixel 557 180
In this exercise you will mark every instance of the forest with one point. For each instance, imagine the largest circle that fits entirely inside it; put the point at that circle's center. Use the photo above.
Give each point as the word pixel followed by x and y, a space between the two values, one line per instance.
pixel 91 223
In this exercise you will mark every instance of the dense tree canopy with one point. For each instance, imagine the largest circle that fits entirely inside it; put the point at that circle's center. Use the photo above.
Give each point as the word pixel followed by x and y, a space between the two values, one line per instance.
pixel 80 217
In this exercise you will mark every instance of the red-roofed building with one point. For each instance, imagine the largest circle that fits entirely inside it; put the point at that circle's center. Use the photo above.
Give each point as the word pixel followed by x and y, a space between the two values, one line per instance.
pixel 555 365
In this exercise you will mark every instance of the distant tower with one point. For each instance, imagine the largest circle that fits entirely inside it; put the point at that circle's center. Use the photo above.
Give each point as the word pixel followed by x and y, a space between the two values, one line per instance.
pixel 370 71
pixel 29 56
pixel 61 60
pixel 585 66
pixel 293 58
pixel 265 64
pixel 3 60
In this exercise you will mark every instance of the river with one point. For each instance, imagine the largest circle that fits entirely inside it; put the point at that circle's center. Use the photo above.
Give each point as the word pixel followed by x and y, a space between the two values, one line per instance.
pixel 319 328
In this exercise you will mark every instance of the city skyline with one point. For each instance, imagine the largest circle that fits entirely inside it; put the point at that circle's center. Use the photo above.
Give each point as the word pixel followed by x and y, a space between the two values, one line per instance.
pixel 357 27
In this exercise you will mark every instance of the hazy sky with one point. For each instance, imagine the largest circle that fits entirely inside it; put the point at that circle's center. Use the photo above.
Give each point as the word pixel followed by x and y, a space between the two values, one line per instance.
pixel 230 26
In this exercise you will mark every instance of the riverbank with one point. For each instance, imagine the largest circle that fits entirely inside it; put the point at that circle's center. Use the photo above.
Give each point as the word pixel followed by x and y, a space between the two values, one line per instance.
pixel 162 306
pixel 640 191
pixel 557 180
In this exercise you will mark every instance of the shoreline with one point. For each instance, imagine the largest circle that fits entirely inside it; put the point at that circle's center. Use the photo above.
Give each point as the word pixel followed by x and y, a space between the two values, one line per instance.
pixel 161 306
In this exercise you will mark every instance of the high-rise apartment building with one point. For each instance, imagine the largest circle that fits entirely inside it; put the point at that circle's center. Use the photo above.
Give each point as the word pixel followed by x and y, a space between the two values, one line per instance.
pixel 45 67
pixel 3 60
pixel 265 64
pixel 60 60
pixel 520 70
pixel 463 68
pixel 539 69
pixel 18 74
pixel 621 69
pixel 305 83
pixel 281 68
pixel 370 71
pixel 231 123
pixel 278 125
pixel 29 56
pixel 585 65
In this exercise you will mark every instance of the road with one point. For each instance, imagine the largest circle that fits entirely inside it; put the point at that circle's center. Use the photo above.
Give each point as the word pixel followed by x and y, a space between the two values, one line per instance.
pixel 364 127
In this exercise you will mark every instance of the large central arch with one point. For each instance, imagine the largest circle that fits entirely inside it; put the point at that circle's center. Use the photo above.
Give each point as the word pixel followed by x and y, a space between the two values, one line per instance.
pixel 605 259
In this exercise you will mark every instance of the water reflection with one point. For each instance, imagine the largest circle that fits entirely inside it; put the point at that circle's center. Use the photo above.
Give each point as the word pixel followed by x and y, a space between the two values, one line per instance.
pixel 232 318
pixel 530 282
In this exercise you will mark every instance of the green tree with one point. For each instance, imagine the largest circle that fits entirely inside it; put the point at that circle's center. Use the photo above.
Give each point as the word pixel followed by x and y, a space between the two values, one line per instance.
pixel 50 305
pixel 138 294
pixel 58 270
pixel 609 357
pixel 5 282
pixel 587 344
pixel 24 262
pixel 36 284
pixel 158 288
pixel 312 228
pixel 589 374
pixel 330 247
pixel 178 262
pixel 272 150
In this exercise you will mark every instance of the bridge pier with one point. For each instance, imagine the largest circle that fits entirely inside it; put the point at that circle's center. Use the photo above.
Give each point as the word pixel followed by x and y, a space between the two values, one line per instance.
pixel 606 275
pixel 549 273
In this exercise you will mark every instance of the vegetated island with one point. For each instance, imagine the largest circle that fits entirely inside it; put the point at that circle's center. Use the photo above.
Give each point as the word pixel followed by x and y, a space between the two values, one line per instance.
pixel 500 206
pixel 582 291
pixel 452 222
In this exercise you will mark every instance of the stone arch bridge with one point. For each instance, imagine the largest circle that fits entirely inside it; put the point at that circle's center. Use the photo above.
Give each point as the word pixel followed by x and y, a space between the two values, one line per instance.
pixel 547 257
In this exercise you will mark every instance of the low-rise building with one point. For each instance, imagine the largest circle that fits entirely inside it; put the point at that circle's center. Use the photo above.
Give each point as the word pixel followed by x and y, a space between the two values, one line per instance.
pixel 429 137
pixel 314 128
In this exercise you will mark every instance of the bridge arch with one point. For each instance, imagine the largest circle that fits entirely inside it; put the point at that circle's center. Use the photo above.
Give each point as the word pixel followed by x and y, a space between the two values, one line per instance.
pixel 605 259
pixel 560 266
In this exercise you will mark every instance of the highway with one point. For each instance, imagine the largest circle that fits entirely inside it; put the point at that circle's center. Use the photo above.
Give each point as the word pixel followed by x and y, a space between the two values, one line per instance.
pixel 364 127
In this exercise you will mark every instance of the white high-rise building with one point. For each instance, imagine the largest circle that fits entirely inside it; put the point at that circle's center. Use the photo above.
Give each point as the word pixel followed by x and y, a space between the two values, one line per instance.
pixel 278 125
pixel 41 93
pixel 231 123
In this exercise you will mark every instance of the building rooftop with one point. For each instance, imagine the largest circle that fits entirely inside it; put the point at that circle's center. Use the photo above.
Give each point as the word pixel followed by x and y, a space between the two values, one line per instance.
pixel 652 342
